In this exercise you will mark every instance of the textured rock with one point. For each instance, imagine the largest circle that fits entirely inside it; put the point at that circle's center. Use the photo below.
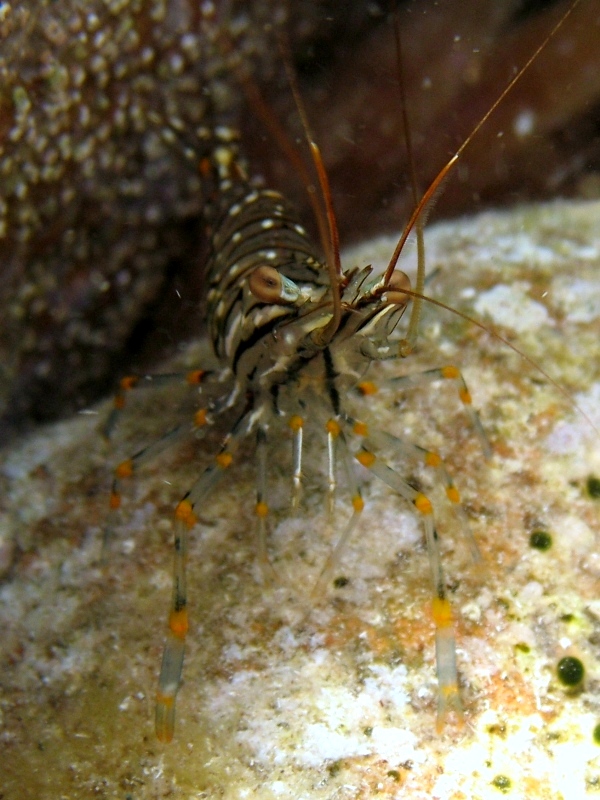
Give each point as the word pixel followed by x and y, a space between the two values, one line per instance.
pixel 102 223
pixel 287 698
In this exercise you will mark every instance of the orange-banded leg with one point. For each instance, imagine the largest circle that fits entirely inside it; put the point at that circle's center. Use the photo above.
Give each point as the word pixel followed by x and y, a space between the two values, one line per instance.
pixel 193 377
pixel 333 428
pixel 296 424
pixel 172 661
pixel 449 373
pixel 445 646
pixel 261 509
pixel 185 519
pixel 322 412
pixel 130 465
pixel 432 460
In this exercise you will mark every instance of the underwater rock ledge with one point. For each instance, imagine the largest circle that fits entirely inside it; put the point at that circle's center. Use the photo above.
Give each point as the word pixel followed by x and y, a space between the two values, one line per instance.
pixel 102 225
pixel 283 698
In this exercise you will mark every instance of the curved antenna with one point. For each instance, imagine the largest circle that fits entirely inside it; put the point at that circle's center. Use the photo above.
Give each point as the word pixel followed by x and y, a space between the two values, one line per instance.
pixel 494 333
pixel 266 115
pixel 259 106
pixel 431 192
pixel 438 180
pixel 415 313
pixel 334 264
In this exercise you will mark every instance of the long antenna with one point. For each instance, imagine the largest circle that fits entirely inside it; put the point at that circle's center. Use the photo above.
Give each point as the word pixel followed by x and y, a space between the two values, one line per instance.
pixel 415 314
pixel 443 174
pixel 334 264
pixel 266 115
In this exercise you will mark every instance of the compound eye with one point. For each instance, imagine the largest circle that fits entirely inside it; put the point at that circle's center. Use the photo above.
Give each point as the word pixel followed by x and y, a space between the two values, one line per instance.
pixel 265 284
pixel 269 286
pixel 395 292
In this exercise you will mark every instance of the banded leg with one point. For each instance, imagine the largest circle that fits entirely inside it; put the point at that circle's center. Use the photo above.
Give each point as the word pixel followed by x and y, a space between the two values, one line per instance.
pixel 445 646
pixel 185 519
pixel 352 524
pixel 261 508
pixel 172 661
pixel 296 424
pixel 127 467
pixel 333 429
pixel 450 373
pixel 430 459
pixel 193 377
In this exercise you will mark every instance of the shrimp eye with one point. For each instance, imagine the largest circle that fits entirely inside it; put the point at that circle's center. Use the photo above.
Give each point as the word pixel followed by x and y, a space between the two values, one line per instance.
pixel 265 284
pixel 270 286
pixel 395 291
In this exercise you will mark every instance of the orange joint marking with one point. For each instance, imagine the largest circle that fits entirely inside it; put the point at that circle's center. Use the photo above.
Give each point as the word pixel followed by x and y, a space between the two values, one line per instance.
pixel 366 458
pixel 432 459
pixel 453 494
pixel 185 513
pixel 358 503
pixel 465 396
pixel 332 427
pixel 442 613
pixel 423 504
pixel 224 459
pixel 296 423
pixel 165 699
pixel 114 501
pixel 361 429
pixel 367 388
pixel 200 417
pixel 195 377
pixel 261 509
pixel 448 691
pixel 128 382
pixel 165 715
pixel 178 623
pixel 119 401
pixel 450 372
pixel 125 469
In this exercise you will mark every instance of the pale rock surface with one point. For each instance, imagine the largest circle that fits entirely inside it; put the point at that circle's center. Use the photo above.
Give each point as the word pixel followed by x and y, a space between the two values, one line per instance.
pixel 287 698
